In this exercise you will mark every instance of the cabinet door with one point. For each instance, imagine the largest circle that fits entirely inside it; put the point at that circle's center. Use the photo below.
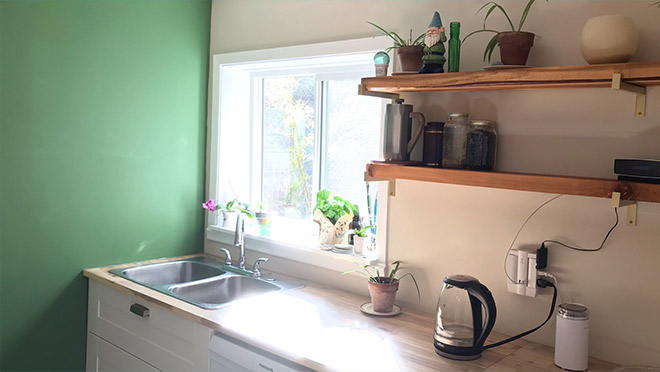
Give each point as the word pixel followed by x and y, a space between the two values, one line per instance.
pixel 103 356
pixel 218 363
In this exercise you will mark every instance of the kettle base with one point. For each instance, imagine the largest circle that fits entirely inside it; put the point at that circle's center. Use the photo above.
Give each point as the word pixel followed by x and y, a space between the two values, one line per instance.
pixel 447 355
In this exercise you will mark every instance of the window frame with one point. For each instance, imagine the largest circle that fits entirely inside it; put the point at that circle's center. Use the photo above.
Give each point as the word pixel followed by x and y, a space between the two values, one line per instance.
pixel 288 250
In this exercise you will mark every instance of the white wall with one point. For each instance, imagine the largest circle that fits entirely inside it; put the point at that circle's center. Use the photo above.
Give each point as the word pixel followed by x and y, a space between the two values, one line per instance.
pixel 455 229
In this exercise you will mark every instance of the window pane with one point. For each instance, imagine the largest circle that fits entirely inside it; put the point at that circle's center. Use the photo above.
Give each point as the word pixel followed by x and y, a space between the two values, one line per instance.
pixel 288 145
pixel 353 139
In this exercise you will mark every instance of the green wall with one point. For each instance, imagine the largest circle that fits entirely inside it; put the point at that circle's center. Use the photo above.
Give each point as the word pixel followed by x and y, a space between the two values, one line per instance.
pixel 102 138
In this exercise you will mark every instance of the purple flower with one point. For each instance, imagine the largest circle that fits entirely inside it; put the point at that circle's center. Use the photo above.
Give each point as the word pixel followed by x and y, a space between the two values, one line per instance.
pixel 210 205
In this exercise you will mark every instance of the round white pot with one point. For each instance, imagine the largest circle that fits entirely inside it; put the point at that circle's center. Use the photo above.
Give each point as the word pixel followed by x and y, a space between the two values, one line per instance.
pixel 229 219
pixel 609 39
pixel 360 244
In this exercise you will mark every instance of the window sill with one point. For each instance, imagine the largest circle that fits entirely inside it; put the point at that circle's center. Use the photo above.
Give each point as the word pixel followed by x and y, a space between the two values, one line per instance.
pixel 305 254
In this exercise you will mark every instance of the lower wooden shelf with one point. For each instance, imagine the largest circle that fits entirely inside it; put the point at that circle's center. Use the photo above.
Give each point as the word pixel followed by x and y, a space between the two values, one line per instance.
pixel 595 187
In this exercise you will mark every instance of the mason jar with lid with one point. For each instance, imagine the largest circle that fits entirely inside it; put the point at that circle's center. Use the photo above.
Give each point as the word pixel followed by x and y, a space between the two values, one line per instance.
pixel 481 145
pixel 454 140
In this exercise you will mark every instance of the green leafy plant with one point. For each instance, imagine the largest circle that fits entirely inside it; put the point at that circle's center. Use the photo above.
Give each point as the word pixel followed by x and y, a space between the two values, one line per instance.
pixel 333 208
pixel 493 6
pixel 363 232
pixel 385 278
pixel 235 206
pixel 261 207
pixel 398 40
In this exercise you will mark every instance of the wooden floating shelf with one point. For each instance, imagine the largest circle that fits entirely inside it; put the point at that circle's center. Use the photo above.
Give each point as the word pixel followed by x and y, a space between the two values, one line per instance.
pixel 594 187
pixel 593 76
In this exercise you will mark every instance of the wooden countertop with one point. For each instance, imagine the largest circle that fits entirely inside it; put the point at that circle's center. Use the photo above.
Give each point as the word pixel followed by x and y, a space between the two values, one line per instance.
pixel 322 328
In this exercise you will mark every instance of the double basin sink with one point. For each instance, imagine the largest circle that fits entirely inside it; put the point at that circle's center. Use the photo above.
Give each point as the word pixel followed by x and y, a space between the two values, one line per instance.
pixel 201 282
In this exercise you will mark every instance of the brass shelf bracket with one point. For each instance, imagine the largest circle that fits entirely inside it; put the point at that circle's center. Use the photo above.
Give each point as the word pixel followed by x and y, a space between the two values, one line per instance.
pixel 631 206
pixel 392 181
pixel 363 92
pixel 640 92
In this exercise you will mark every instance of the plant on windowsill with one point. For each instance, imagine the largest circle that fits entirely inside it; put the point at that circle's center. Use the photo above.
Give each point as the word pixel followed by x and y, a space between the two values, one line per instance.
pixel 408 51
pixel 333 216
pixel 229 211
pixel 361 238
pixel 263 217
pixel 382 289
pixel 515 44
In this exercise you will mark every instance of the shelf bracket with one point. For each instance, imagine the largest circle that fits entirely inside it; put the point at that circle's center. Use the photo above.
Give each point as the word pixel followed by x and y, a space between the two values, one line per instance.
pixel 363 92
pixel 392 181
pixel 631 215
pixel 640 92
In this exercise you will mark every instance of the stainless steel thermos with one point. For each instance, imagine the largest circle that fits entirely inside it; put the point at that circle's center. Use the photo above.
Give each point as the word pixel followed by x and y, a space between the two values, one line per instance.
pixel 397 142
pixel 572 337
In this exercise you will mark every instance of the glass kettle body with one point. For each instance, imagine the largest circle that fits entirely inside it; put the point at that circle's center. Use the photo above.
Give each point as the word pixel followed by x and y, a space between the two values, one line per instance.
pixel 465 316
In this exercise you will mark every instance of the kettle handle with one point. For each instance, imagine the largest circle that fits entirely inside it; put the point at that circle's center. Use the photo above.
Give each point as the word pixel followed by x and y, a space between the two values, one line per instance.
pixel 420 117
pixel 483 295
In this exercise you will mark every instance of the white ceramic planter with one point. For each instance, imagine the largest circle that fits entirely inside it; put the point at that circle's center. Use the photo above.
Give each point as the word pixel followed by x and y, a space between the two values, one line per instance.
pixel 229 219
pixel 360 244
pixel 609 39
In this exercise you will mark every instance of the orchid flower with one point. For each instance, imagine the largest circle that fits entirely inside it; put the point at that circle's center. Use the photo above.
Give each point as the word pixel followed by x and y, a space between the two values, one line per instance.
pixel 210 205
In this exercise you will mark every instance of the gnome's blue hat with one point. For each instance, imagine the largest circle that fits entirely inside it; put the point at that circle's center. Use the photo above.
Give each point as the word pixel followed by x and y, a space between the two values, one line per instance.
pixel 436 21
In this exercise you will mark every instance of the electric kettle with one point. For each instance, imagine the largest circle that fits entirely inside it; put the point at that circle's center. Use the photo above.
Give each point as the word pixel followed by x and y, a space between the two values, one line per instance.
pixel 397 144
pixel 466 315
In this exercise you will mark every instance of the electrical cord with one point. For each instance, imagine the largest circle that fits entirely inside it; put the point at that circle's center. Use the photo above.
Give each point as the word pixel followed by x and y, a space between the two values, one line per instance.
pixel 541 283
pixel 616 213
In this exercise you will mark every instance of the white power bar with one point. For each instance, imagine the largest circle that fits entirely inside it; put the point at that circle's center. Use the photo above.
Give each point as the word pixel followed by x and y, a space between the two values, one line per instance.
pixel 521 267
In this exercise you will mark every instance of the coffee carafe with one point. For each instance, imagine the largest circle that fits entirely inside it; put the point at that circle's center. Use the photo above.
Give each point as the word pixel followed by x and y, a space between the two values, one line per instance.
pixel 465 316
pixel 397 143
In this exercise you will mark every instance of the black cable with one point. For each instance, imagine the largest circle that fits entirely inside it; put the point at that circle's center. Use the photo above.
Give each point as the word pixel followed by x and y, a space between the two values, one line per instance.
pixel 552 310
pixel 616 213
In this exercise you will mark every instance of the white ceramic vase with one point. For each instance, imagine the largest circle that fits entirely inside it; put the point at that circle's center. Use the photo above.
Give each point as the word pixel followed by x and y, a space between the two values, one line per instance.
pixel 229 219
pixel 609 39
pixel 360 245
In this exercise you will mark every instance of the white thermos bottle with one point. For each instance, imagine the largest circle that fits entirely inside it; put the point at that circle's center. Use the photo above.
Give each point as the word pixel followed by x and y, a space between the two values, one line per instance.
pixel 572 337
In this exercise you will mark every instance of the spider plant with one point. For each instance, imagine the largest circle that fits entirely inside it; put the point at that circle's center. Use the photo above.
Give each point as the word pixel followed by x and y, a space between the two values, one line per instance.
pixel 398 40
pixel 385 278
pixel 493 6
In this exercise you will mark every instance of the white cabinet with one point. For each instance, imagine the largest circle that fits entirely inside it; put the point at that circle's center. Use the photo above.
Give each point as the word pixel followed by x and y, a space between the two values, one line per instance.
pixel 228 355
pixel 162 339
pixel 103 356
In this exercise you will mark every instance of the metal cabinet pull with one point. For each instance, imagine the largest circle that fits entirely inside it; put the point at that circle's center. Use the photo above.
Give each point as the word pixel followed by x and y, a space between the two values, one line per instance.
pixel 140 310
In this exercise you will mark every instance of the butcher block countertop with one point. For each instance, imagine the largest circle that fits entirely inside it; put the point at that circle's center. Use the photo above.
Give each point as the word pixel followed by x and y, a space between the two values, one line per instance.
pixel 322 328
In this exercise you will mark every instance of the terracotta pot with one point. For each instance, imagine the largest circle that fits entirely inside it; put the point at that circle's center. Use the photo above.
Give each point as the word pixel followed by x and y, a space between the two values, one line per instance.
pixel 382 295
pixel 609 39
pixel 410 58
pixel 515 46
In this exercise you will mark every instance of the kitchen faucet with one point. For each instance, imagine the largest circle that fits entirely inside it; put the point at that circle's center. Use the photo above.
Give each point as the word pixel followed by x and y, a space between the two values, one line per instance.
pixel 239 241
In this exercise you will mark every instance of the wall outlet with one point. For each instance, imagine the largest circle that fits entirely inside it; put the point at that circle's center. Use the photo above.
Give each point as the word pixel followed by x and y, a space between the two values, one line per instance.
pixel 521 268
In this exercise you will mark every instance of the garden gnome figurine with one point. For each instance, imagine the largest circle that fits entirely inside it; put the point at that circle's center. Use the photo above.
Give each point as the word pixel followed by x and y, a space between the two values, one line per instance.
pixel 434 51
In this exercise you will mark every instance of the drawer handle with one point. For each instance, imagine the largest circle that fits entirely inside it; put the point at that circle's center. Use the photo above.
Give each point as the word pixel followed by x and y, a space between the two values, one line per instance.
pixel 140 310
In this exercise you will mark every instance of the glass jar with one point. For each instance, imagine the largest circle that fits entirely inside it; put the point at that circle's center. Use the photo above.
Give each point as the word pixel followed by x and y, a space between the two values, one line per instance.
pixel 454 140
pixel 481 145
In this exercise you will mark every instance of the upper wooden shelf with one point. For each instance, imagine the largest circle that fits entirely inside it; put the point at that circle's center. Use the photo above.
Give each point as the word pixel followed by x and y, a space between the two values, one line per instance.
pixel 593 76
pixel 595 187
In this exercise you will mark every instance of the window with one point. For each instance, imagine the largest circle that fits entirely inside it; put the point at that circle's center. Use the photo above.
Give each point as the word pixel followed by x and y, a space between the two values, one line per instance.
pixel 287 123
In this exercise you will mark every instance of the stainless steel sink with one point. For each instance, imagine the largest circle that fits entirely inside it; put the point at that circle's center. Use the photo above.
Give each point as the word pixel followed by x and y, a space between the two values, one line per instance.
pixel 203 282
pixel 168 273
pixel 215 292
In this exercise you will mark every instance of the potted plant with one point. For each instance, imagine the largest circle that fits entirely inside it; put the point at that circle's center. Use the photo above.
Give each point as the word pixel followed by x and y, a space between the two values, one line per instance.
pixel 408 51
pixel 229 211
pixel 333 216
pixel 263 217
pixel 382 289
pixel 360 239
pixel 515 44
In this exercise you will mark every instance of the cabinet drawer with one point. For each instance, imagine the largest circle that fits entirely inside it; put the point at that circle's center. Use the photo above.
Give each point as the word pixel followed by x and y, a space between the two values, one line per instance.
pixel 103 356
pixel 160 337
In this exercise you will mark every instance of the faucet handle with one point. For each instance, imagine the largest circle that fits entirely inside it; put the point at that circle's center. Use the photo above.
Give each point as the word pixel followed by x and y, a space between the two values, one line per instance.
pixel 227 255
pixel 257 263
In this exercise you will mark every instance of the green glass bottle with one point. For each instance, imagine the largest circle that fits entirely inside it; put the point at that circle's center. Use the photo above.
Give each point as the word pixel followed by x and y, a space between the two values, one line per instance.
pixel 454 46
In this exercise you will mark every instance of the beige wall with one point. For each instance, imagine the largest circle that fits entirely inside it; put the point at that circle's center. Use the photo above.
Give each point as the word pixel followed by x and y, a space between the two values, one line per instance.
pixel 453 229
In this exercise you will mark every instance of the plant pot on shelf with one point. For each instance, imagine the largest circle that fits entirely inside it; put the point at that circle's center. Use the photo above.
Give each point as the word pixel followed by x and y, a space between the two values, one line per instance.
pixel 383 294
pixel 229 219
pixel 609 39
pixel 329 234
pixel 515 46
pixel 360 244
pixel 263 218
pixel 410 58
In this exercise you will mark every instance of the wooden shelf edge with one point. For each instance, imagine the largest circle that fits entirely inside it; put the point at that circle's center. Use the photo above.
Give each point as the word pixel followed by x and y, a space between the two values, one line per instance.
pixel 594 76
pixel 594 187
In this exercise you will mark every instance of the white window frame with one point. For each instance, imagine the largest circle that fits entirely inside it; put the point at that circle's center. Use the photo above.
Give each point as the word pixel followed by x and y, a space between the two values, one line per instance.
pixel 268 246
